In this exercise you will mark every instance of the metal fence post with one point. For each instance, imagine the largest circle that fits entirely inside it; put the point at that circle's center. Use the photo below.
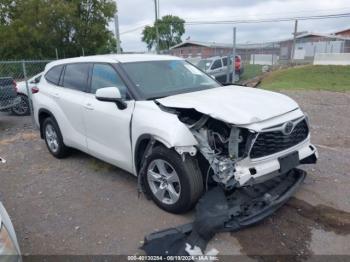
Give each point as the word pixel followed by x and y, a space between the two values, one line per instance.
pixel 28 92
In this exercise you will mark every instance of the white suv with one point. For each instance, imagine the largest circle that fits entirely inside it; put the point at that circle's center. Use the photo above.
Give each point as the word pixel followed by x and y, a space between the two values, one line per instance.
pixel 165 121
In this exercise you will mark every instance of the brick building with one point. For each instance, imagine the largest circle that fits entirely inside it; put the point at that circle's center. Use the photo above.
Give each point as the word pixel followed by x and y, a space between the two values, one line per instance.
pixel 196 49
pixel 344 33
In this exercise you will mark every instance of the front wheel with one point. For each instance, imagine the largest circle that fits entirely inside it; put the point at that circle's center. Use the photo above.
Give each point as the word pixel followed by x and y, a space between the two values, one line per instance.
pixel 174 185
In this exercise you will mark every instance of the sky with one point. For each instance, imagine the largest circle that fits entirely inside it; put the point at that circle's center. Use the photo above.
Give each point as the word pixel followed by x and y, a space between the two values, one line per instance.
pixel 135 14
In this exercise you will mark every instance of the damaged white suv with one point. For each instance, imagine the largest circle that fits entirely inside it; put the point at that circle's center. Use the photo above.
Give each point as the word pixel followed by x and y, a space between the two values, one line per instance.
pixel 167 122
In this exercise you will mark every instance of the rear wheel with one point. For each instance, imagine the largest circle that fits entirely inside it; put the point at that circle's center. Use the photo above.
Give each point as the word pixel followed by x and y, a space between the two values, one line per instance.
pixel 23 108
pixel 53 138
pixel 174 185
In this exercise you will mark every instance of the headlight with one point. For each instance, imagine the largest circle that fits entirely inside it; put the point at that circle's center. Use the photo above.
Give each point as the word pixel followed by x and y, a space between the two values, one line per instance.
pixel 7 247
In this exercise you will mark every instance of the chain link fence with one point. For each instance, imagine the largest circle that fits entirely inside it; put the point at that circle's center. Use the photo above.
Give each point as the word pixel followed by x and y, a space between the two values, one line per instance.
pixel 17 78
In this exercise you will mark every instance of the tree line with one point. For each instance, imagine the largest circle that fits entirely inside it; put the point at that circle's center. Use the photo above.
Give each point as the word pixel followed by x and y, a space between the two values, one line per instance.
pixel 34 29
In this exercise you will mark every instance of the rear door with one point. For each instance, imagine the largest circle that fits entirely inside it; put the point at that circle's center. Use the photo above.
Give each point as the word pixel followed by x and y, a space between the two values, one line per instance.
pixel 216 68
pixel 70 98
pixel 107 126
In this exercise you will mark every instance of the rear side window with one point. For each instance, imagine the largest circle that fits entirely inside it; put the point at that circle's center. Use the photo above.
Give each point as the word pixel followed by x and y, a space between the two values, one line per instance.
pixel 224 61
pixel 53 75
pixel 76 76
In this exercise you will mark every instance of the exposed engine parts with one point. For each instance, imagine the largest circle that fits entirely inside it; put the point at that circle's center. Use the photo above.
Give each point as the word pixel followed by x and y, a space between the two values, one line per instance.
pixel 221 144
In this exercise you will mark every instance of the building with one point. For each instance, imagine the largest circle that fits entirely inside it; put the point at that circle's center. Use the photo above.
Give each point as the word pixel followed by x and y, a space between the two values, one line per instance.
pixel 309 44
pixel 343 33
pixel 196 49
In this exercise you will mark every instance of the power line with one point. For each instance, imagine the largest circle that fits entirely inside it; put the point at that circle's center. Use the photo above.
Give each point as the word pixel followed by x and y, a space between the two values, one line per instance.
pixel 281 19
pixel 252 21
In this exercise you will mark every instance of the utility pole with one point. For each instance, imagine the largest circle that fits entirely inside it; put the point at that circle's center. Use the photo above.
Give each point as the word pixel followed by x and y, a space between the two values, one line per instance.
pixel 117 36
pixel 156 24
pixel 294 41
pixel 56 51
pixel 232 66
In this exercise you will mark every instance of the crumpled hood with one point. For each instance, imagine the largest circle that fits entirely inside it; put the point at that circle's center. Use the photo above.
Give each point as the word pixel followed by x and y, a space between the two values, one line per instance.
pixel 234 104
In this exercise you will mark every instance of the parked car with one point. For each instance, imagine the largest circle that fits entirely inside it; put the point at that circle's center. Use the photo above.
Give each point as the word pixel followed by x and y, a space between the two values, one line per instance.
pixel 8 94
pixel 23 108
pixel 217 67
pixel 165 121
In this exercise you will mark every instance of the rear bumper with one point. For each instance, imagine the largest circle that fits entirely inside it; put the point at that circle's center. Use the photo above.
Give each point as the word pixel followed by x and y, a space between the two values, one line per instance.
pixel 249 205
pixel 9 103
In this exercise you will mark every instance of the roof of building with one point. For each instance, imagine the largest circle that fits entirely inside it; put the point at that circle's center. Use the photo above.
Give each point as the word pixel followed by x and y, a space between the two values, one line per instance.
pixel 222 45
pixel 323 35
pixel 341 31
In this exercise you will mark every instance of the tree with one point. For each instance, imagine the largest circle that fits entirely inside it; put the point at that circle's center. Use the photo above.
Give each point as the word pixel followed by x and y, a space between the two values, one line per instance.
pixel 35 28
pixel 170 29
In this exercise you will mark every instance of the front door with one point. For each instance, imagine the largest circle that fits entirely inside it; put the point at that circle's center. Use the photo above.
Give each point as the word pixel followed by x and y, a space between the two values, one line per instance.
pixel 107 126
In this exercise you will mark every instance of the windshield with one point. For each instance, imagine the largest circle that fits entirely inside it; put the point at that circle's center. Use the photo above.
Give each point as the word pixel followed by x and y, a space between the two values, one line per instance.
pixel 204 64
pixel 155 79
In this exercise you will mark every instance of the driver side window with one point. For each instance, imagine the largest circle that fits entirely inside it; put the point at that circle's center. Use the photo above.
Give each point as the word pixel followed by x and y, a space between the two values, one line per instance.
pixel 103 75
pixel 217 64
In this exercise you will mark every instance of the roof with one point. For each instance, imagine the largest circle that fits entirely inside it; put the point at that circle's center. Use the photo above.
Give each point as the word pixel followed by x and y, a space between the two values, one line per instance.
pixel 322 35
pixel 114 58
pixel 222 45
pixel 341 31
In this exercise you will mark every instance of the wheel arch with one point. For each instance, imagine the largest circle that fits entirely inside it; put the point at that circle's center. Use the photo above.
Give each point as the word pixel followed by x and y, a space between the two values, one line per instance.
pixel 42 115
pixel 141 145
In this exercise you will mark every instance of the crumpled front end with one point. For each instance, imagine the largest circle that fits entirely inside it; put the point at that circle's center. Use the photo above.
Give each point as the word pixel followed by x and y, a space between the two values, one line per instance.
pixel 240 155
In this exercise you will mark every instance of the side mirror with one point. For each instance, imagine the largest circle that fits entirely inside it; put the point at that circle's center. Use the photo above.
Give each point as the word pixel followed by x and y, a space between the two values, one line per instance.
pixel 111 94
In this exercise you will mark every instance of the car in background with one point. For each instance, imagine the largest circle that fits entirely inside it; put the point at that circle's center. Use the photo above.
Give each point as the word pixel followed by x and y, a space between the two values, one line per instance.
pixel 8 94
pixel 23 108
pixel 9 248
pixel 217 67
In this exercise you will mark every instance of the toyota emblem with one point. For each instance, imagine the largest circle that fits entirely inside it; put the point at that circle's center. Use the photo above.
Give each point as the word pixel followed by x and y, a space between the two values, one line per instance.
pixel 288 128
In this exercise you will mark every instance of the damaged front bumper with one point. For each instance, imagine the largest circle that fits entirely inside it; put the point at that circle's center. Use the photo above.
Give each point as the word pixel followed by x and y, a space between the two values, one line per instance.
pixel 247 205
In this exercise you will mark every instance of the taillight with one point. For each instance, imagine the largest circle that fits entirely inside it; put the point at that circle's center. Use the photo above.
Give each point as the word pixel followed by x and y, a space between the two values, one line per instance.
pixel 14 85
pixel 35 90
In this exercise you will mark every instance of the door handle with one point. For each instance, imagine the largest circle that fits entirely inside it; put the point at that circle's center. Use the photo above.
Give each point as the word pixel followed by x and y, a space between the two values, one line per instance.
pixel 88 106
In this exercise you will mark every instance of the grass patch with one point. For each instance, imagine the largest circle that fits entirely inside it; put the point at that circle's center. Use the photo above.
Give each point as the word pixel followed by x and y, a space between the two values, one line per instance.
pixel 310 77
pixel 251 71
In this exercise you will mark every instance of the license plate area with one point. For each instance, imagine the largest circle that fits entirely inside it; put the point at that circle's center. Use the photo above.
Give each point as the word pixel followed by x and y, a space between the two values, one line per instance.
pixel 288 162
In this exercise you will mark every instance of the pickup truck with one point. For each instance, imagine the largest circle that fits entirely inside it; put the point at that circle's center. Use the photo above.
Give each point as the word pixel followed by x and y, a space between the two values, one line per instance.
pixel 8 94
pixel 217 67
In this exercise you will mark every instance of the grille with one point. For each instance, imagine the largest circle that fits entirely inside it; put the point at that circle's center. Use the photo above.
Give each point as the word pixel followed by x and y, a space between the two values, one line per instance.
pixel 272 142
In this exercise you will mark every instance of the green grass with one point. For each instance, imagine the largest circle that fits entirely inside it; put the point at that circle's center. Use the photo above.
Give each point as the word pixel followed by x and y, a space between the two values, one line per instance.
pixel 310 77
pixel 251 71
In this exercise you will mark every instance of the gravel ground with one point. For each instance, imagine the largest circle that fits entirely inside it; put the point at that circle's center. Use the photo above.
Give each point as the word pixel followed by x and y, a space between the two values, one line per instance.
pixel 81 205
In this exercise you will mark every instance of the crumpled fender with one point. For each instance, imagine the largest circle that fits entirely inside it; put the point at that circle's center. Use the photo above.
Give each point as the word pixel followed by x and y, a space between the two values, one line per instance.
pixel 149 119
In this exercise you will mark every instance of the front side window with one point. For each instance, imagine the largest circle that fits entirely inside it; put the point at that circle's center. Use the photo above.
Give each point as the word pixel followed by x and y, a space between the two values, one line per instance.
pixel 217 64
pixel 103 75
pixel 53 75
pixel 204 64
pixel 163 78
pixel 76 76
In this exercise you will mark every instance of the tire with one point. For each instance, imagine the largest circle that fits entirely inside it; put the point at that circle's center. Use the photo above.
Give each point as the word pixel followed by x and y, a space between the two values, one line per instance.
pixel 53 138
pixel 188 186
pixel 23 108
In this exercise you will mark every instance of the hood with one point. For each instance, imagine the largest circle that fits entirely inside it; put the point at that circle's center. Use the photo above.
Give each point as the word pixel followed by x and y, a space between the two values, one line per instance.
pixel 234 104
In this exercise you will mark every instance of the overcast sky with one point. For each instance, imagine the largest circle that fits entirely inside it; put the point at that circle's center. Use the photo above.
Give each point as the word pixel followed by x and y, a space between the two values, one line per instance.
pixel 137 13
